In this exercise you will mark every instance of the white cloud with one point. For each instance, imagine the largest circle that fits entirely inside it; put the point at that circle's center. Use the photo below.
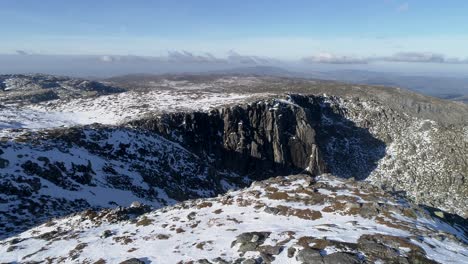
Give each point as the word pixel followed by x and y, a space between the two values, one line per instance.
pixel 408 57
pixel 334 59
pixel 22 52
pixel 106 58
pixel 284 48
pixel 235 57
pixel 423 57
pixel 416 57
pixel 190 57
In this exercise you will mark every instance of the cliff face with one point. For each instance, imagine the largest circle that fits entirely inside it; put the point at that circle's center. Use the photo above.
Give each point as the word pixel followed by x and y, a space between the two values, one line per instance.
pixel 273 137
pixel 363 139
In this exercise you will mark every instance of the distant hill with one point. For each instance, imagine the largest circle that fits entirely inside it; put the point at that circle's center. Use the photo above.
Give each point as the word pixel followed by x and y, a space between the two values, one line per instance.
pixel 450 88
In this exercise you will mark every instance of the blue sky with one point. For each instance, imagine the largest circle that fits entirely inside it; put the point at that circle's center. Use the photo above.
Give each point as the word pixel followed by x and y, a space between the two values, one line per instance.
pixel 283 29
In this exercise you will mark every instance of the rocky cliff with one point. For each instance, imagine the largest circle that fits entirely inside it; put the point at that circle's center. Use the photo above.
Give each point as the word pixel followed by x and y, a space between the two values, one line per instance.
pixel 259 139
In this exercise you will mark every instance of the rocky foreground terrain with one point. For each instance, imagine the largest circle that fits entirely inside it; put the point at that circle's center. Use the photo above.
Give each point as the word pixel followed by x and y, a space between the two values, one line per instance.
pixel 292 219
pixel 169 144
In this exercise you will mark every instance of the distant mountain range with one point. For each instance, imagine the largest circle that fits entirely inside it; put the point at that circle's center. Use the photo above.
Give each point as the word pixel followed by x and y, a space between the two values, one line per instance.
pixel 451 88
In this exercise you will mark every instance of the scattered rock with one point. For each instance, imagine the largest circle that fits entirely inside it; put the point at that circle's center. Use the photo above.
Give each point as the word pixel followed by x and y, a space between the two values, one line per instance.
pixel 132 261
pixel 309 256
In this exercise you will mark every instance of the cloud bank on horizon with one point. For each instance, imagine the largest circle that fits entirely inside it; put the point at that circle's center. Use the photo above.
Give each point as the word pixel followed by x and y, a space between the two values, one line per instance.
pixel 408 57
pixel 234 57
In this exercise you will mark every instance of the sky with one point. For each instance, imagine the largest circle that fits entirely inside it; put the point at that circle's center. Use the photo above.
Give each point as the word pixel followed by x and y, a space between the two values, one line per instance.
pixel 317 32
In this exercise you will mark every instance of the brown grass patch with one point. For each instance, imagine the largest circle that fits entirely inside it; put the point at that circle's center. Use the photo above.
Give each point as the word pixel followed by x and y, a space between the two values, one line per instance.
pixel 307 191
pixel 410 213
pixel 259 205
pixel 243 202
pixel 278 196
pixel 312 242
pixel 347 198
pixel 301 213
pixel 144 221
pixel 335 207
pixel 271 189
pixel 204 205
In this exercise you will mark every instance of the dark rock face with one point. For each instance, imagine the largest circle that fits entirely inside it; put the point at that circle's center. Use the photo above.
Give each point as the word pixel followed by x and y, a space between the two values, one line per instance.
pixel 309 256
pixel 3 163
pixel 132 261
pixel 250 241
pixel 386 248
pixel 348 150
pixel 259 139
pixel 341 258
pixel 275 137
pixel 313 256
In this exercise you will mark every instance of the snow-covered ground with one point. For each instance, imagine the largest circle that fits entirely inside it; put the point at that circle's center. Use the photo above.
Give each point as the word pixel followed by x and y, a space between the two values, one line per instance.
pixel 109 109
pixel 223 82
pixel 280 219
pixel 100 168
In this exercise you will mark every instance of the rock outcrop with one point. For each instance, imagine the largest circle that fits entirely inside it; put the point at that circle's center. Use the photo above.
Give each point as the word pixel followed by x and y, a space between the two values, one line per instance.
pixel 259 139
pixel 348 137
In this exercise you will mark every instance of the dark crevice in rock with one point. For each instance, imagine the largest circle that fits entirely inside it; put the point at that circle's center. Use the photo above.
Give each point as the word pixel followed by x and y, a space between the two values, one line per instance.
pixel 348 150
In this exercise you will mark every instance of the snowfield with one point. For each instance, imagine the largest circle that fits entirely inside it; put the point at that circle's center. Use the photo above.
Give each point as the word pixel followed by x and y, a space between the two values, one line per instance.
pixel 109 109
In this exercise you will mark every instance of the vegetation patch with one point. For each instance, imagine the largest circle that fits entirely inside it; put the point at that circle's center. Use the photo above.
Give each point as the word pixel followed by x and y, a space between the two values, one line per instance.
pixel 301 213
pixel 278 196
pixel 144 221
pixel 204 205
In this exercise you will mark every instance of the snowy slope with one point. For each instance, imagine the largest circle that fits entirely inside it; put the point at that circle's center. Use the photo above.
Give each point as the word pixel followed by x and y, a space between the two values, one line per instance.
pixel 58 172
pixel 108 109
pixel 44 101
pixel 425 159
pixel 281 220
